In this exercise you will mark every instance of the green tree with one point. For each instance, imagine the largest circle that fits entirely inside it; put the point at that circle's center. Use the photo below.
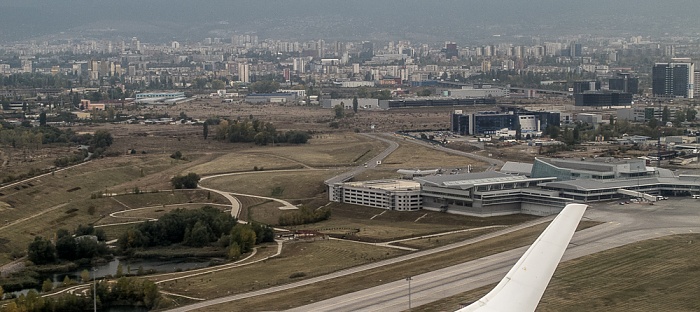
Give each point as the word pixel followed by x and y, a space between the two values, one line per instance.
pixel 200 235
pixel 66 247
pixel 339 111
pixel 234 251
pixel 150 293
pixel 680 116
pixel 47 286
pixel 120 270
pixel 176 155
pixel 424 92
pixel 41 251
pixel 217 84
pixel 101 139
pixel 653 123
pixel 666 115
pixel 188 181
pixel 67 282
pixel 42 119
pixel 85 276
pixel 244 236
pixel 265 86
pixel 690 114
pixel 205 130
pixel 354 104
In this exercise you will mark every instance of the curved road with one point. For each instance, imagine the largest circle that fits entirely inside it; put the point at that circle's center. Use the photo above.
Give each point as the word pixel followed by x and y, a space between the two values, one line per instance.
pixel 491 161
pixel 372 163
pixel 624 225
pixel 235 203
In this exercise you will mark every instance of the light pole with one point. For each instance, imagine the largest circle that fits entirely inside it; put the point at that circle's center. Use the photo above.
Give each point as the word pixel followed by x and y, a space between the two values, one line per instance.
pixel 94 289
pixel 409 279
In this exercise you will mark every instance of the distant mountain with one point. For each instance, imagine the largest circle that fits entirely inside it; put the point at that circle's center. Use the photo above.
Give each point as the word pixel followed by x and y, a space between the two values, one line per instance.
pixel 344 19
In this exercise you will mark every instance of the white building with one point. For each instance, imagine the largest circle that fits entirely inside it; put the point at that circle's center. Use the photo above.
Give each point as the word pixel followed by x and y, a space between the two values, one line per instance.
pixel 244 73
pixel 400 195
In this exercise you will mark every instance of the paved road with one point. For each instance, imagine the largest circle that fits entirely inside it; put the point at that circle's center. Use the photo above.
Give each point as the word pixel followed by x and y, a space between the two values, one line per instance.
pixel 625 225
pixel 372 163
pixel 492 161
pixel 235 203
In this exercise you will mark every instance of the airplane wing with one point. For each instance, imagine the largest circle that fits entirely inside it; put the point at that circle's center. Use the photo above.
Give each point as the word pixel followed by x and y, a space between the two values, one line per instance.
pixel 522 288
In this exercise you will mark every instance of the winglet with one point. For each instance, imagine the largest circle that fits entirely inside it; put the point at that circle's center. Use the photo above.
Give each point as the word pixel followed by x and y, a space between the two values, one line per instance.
pixel 522 288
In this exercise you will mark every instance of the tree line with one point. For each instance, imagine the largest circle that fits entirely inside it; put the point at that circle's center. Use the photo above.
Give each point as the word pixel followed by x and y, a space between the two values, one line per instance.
pixel 84 243
pixel 260 132
pixel 126 291
pixel 197 228
pixel 304 215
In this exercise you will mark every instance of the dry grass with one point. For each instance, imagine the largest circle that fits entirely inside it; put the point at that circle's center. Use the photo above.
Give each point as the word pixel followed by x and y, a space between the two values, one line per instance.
pixel 311 258
pixel 329 150
pixel 291 185
pixel 62 200
pixel 267 212
pixel 244 161
pixel 155 212
pixel 380 225
pixel 653 275
pixel 432 242
pixel 413 156
pixel 342 285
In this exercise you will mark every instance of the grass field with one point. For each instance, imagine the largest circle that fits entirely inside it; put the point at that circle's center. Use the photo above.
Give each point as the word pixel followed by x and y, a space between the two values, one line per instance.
pixel 380 225
pixel 442 240
pixel 413 156
pixel 289 185
pixel 63 200
pixel 266 212
pixel 342 285
pixel 653 275
pixel 244 161
pixel 155 212
pixel 330 150
pixel 308 258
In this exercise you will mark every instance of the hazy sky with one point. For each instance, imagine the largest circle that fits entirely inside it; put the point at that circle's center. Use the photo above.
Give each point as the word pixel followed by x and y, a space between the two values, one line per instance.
pixel 196 19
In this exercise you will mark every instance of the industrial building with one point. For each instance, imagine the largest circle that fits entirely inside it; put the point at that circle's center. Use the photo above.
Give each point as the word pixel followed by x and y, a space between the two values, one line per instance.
pixel 160 97
pixel 601 98
pixel 477 91
pixel 494 122
pixel 362 103
pixel 271 97
pixel 435 102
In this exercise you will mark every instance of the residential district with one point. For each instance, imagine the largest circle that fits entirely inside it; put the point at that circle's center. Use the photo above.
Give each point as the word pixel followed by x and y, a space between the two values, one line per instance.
pixel 578 104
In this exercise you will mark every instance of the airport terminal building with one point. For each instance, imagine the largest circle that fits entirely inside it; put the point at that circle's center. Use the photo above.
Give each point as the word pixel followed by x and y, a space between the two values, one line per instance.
pixel 478 194
pixel 489 194
pixel 609 178
pixel 541 188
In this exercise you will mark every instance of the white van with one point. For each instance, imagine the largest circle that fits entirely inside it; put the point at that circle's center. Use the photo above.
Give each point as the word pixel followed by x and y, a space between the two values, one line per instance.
pixel 696 196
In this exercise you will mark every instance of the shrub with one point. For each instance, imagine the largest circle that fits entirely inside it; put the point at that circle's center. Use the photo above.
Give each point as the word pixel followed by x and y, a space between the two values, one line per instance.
pixel 188 181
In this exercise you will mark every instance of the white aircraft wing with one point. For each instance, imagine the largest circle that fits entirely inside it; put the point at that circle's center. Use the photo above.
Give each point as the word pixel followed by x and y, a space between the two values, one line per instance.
pixel 522 288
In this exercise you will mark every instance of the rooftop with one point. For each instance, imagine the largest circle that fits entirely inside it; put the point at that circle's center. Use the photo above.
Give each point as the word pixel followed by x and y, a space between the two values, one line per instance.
pixel 387 185
pixel 600 164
